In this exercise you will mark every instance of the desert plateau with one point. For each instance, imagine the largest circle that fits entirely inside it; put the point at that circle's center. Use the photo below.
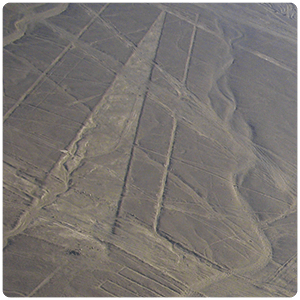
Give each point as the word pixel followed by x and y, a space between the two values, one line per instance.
pixel 149 150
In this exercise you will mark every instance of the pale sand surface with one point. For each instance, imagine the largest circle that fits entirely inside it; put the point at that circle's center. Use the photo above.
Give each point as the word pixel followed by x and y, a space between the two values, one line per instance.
pixel 149 150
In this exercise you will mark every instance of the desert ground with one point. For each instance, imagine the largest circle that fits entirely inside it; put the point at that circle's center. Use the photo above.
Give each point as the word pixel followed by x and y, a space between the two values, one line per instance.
pixel 149 150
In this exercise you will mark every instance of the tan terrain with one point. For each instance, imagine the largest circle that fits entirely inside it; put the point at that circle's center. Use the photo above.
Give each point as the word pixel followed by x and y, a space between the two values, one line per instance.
pixel 149 150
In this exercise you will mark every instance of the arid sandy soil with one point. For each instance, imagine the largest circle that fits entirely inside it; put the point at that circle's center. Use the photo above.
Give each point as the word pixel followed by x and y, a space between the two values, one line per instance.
pixel 149 150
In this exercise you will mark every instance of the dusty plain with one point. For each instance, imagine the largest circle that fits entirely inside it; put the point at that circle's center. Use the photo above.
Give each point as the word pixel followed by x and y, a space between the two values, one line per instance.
pixel 149 150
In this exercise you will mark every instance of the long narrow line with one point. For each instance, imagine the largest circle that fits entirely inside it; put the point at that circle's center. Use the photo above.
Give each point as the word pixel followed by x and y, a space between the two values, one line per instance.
pixel 139 284
pixel 282 267
pixel 26 217
pixel 22 24
pixel 160 195
pixel 177 14
pixel 190 50
pixel 46 280
pixel 54 62
pixel 32 87
pixel 136 134
pixel 200 257
pixel 107 24
pixel 128 166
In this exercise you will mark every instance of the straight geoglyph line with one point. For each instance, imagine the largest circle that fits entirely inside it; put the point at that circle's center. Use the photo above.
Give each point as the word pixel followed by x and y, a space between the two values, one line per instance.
pixel 54 62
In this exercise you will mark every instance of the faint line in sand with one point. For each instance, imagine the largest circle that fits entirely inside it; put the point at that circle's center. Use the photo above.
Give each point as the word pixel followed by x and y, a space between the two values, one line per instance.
pixel 151 279
pixel 160 195
pixel 21 25
pixel 269 59
pixel 128 166
pixel 280 269
pixel 192 42
pixel 139 284
pixel 54 62
pixel 110 26
pixel 177 14
pixel 46 280
pixel 160 19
